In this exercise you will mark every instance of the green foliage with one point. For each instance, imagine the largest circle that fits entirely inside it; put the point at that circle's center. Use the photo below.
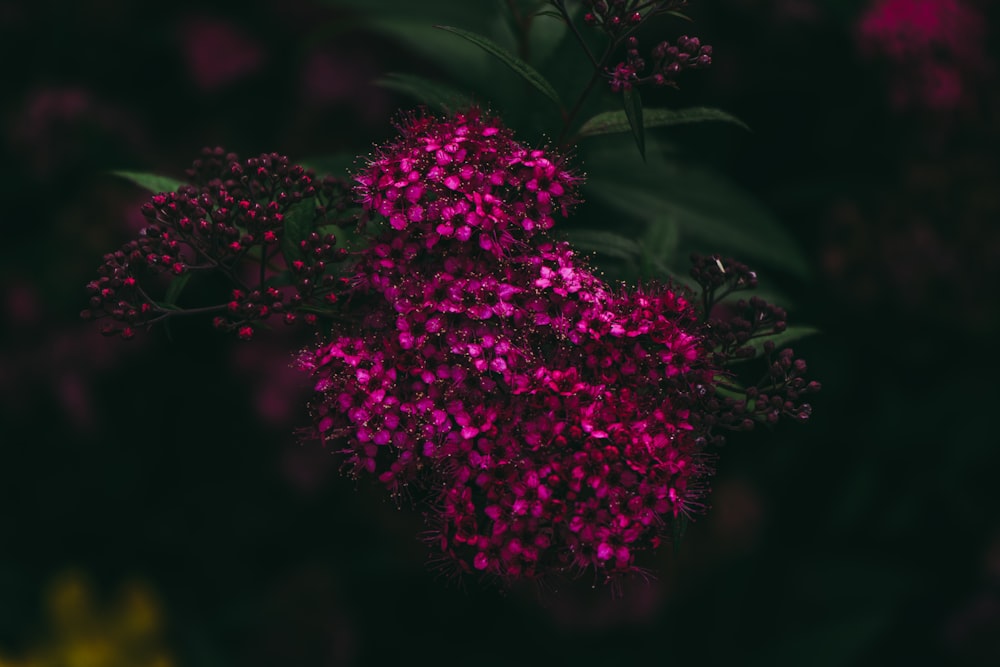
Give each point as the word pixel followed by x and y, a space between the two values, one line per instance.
pixel 548 32
pixel 604 242
pixel 609 122
pixel 519 66
pixel 780 340
pixel 152 182
pixel 632 102
pixel 659 245
pixel 711 213
pixel 411 25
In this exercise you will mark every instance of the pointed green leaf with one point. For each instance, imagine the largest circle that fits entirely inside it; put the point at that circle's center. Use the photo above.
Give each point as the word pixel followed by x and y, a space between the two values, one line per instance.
pixel 176 287
pixel 431 93
pixel 727 387
pixel 610 122
pixel 712 213
pixel 553 13
pixel 523 69
pixel 782 339
pixel 465 65
pixel 633 114
pixel 741 231
pixel 605 243
pixel 546 36
pixel 152 182
pixel 659 251
pixel 662 239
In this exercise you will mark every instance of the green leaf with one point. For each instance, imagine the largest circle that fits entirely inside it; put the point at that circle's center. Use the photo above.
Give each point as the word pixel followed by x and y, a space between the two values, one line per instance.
pixel 523 69
pixel 175 288
pixel 741 232
pixel 633 115
pixel 298 223
pixel 604 243
pixel 737 394
pixel 552 13
pixel 468 66
pixel 712 213
pixel 152 182
pixel 610 122
pixel 782 339
pixel 409 24
pixel 546 36
pixel 660 242
pixel 431 93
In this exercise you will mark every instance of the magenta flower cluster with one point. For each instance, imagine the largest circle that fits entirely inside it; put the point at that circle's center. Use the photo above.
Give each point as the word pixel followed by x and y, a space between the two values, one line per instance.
pixel 556 425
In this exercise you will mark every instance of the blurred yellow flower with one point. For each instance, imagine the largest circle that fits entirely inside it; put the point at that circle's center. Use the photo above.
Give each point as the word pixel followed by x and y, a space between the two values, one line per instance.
pixel 84 633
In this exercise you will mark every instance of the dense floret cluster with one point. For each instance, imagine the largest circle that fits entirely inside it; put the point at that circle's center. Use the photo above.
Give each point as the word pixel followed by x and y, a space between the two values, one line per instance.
pixel 555 424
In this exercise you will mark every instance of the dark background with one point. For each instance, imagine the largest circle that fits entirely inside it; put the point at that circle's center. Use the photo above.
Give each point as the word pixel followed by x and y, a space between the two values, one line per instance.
pixel 868 536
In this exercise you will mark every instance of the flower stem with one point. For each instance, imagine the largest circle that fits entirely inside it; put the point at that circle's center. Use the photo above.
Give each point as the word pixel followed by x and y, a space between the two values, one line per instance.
pixel 571 115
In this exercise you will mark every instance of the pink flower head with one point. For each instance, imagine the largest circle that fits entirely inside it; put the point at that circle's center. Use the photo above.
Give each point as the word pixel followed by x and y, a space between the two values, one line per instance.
pixel 907 30
pixel 555 425
pixel 465 178
pixel 218 53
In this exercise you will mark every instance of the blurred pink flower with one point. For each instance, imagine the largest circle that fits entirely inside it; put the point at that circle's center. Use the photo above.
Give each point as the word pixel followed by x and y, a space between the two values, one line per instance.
pixel 934 48
pixel 279 389
pixel 52 127
pixel 343 78
pixel 218 53
pixel 59 366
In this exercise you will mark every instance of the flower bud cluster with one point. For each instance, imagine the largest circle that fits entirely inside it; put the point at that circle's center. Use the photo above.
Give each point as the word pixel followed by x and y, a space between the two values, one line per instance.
pixel 230 219
pixel 735 333
pixel 667 62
